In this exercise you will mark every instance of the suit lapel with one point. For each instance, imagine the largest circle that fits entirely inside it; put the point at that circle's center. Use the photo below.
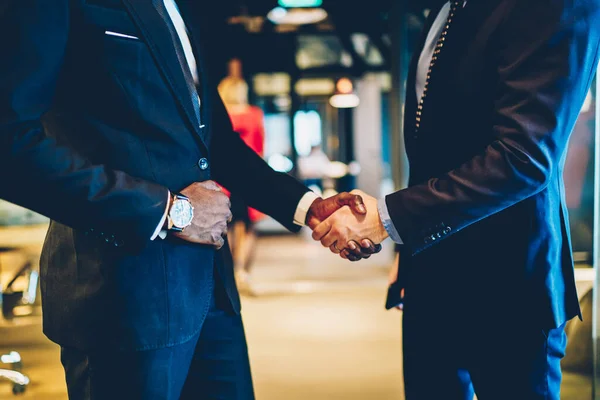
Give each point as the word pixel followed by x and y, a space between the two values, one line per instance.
pixel 160 42
pixel 193 21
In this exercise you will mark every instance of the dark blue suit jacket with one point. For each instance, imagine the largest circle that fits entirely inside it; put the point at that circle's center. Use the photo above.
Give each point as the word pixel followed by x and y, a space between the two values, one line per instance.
pixel 95 128
pixel 484 215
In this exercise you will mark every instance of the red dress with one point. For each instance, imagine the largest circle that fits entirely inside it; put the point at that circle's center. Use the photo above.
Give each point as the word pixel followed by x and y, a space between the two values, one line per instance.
pixel 249 124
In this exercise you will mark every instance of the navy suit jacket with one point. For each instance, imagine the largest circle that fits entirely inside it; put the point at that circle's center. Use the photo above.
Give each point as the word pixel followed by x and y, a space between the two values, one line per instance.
pixel 484 215
pixel 94 128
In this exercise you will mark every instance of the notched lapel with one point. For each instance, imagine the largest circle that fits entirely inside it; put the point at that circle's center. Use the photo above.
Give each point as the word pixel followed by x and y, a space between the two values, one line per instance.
pixel 159 40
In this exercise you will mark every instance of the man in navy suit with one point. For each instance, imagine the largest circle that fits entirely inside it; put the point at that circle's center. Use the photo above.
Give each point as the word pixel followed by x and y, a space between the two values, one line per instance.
pixel 486 261
pixel 110 124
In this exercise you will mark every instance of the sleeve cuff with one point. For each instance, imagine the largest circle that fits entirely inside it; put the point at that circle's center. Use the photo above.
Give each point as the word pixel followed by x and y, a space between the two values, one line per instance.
pixel 384 214
pixel 160 232
pixel 303 207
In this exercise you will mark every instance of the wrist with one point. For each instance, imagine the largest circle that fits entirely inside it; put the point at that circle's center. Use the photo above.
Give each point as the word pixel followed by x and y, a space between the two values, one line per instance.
pixel 382 232
pixel 310 214
pixel 169 205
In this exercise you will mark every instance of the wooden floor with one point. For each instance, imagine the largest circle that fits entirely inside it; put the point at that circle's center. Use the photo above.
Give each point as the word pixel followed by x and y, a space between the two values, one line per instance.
pixel 317 331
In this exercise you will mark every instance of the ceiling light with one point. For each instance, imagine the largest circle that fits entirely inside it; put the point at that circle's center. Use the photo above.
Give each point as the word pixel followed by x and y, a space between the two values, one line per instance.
pixel 344 86
pixel 345 96
pixel 344 100
pixel 300 3
pixel 296 16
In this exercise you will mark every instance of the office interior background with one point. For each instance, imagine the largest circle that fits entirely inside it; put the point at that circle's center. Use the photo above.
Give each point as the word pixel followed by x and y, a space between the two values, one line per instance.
pixel 329 77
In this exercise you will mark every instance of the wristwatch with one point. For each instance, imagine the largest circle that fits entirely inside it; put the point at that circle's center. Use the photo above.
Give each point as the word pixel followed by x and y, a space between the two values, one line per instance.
pixel 181 213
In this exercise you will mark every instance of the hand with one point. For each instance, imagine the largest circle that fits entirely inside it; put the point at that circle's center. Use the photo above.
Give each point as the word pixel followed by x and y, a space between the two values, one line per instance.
pixel 354 252
pixel 345 226
pixel 212 212
pixel 321 209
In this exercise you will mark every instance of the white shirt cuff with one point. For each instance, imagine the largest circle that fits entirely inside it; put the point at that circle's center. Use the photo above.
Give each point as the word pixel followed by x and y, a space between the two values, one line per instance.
pixel 388 224
pixel 160 232
pixel 303 207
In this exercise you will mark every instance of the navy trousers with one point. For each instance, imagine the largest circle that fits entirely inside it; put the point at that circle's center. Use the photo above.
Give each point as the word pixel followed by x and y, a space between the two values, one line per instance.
pixel 452 352
pixel 213 365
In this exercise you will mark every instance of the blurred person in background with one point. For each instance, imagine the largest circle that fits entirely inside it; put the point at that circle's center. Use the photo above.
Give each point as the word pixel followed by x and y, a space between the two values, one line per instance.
pixel 248 122
pixel 486 266
pixel 314 168
pixel 111 124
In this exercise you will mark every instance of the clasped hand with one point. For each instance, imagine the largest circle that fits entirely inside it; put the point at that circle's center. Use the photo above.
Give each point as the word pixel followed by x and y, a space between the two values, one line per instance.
pixel 322 209
pixel 347 226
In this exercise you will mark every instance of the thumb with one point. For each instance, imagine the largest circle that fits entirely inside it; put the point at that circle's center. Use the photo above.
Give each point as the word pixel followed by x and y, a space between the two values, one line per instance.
pixel 354 201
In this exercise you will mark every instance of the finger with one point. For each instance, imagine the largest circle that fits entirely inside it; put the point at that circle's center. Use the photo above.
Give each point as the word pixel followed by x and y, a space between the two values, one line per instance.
pixel 360 254
pixel 334 249
pixel 344 254
pixel 357 251
pixel 369 247
pixel 354 201
pixel 332 237
pixel 358 205
pixel 321 230
pixel 210 185
pixel 353 258
pixel 328 240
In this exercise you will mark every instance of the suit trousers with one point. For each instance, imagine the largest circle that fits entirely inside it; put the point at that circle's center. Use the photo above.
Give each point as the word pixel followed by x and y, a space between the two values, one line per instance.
pixel 453 350
pixel 212 365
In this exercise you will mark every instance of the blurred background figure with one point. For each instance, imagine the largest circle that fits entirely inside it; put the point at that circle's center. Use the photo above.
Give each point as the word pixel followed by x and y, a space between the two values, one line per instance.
pixel 248 121
pixel 313 169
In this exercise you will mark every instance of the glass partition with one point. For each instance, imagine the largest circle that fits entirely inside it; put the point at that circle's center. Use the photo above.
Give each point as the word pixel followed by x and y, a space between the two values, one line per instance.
pixel 580 195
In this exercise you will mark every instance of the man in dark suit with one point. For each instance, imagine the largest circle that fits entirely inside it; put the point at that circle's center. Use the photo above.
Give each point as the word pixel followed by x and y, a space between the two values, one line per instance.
pixel 111 125
pixel 486 263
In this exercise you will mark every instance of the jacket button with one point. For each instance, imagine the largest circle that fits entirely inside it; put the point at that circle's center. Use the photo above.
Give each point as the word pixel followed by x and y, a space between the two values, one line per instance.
pixel 109 239
pixel 203 164
pixel 118 243
pixel 447 230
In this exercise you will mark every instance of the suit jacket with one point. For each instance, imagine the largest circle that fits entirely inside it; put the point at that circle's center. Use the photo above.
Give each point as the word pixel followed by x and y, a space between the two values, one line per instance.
pixel 94 128
pixel 484 214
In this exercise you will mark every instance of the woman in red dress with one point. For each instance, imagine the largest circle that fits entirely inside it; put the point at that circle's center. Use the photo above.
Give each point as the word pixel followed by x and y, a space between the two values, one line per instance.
pixel 248 121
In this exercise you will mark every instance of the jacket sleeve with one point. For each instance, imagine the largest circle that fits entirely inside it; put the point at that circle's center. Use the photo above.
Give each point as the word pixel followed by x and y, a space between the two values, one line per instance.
pixel 239 169
pixel 546 54
pixel 35 171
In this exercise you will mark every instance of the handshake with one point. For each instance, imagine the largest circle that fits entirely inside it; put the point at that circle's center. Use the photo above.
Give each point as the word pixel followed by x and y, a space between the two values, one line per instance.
pixel 348 224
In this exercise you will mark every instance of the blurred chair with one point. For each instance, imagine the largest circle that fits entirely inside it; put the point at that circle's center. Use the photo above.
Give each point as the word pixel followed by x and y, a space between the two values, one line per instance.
pixel 17 304
pixel 14 374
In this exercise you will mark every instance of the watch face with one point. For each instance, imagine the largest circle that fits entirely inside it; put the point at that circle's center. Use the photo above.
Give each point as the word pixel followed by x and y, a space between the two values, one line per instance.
pixel 182 213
